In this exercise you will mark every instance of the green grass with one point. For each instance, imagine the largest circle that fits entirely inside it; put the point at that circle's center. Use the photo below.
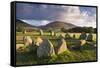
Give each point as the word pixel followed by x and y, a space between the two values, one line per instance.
pixel 19 35
pixel 28 55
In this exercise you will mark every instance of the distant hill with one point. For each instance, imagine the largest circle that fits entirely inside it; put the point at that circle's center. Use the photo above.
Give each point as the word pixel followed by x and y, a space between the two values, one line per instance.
pixel 20 25
pixel 57 25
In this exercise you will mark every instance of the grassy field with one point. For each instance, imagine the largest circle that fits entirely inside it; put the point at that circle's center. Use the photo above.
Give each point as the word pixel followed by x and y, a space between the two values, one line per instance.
pixel 28 58
pixel 19 35
pixel 28 55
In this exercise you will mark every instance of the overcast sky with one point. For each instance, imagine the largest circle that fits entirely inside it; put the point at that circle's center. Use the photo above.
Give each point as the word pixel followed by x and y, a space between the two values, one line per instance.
pixel 39 14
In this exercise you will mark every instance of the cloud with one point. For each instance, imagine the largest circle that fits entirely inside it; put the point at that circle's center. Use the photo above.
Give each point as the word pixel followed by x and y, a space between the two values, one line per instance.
pixel 75 16
pixel 36 22
pixel 80 16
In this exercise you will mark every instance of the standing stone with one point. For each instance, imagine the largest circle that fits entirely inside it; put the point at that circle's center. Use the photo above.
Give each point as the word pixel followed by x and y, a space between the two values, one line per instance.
pixel 74 36
pixel 82 42
pixel 52 33
pixel 95 45
pixel 38 41
pixel 90 37
pixel 45 47
pixel 27 40
pixel 67 36
pixel 41 32
pixel 24 31
pixel 61 46
pixel 61 37
pixel 83 36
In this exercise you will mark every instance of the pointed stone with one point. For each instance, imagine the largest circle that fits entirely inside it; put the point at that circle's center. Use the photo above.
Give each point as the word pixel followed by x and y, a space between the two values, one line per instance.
pixel 45 47
pixel 62 47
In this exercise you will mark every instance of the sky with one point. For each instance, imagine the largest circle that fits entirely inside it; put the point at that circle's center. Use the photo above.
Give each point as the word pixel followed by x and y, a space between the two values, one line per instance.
pixel 42 14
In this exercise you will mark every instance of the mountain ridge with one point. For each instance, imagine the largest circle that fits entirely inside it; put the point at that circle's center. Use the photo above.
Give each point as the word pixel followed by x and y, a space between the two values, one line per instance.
pixel 56 25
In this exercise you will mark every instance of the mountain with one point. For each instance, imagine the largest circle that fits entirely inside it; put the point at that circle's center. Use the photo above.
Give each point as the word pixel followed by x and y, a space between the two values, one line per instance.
pixel 20 26
pixel 57 25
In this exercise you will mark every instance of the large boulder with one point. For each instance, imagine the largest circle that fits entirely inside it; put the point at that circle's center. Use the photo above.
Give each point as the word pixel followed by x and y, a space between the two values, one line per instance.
pixel 61 46
pixel 19 46
pixel 27 40
pixel 45 47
